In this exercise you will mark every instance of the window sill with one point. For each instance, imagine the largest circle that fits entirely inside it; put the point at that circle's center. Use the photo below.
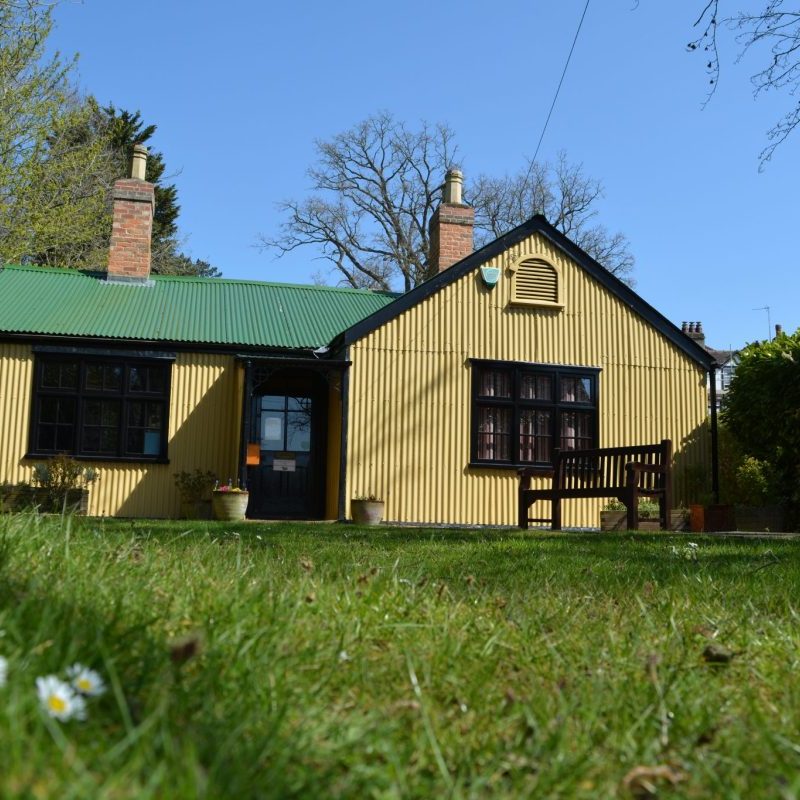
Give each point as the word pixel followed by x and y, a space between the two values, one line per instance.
pixel 104 459
pixel 539 469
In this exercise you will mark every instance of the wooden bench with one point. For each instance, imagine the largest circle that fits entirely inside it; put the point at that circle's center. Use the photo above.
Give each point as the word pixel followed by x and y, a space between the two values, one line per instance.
pixel 624 473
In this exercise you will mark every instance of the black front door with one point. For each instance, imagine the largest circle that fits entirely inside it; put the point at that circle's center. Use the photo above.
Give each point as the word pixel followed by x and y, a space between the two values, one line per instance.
pixel 288 424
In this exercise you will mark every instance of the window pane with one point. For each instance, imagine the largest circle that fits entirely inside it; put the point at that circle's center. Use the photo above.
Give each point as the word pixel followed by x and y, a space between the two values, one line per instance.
pixel 60 375
pixel 69 376
pixel 299 403
pixel 298 431
pixel 156 379
pixel 576 390
pixel 494 383
pixel 48 409
pixel 108 439
pixel 91 440
pixel 272 431
pixel 46 437
pixel 103 377
pixel 534 436
pixel 94 376
pixel 494 434
pixel 137 380
pixel 65 438
pixel 536 387
pixel 576 430
pixel 109 414
pixel 152 443
pixel 57 409
pixel 273 402
pixel 135 440
pixel 51 376
pixel 154 415
pixel 136 414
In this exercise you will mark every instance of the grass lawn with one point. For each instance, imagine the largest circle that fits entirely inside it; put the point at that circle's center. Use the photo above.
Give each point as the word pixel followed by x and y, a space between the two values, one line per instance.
pixel 333 661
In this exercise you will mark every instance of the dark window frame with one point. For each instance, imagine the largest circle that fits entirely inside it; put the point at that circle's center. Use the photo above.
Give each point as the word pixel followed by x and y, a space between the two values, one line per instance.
pixel 82 395
pixel 517 405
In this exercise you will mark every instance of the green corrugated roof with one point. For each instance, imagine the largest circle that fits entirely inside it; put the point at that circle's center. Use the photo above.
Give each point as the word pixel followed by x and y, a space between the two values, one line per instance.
pixel 41 300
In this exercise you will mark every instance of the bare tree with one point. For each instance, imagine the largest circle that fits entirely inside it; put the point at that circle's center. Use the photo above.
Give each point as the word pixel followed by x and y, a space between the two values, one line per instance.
pixel 564 195
pixel 773 27
pixel 377 185
pixel 381 183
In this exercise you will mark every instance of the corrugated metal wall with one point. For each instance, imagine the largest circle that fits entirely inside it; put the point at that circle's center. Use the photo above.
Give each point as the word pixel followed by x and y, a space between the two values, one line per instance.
pixel 409 430
pixel 204 433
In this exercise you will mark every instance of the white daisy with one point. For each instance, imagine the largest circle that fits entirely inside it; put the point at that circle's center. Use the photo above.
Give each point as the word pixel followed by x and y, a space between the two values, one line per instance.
pixel 85 681
pixel 3 671
pixel 59 699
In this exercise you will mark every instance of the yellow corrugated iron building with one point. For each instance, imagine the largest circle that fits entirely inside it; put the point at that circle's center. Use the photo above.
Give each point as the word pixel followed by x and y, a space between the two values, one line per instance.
pixel 411 397
pixel 431 400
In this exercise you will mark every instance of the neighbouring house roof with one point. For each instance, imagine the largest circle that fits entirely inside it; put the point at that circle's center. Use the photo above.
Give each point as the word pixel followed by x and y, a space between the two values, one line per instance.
pixel 722 357
pixel 57 302
pixel 537 224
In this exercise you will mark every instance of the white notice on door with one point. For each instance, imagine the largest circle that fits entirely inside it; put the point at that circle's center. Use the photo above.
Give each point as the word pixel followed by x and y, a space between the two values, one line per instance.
pixel 284 464
pixel 271 430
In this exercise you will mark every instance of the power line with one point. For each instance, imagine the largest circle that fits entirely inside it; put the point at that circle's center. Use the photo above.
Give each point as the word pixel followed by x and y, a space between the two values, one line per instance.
pixel 558 89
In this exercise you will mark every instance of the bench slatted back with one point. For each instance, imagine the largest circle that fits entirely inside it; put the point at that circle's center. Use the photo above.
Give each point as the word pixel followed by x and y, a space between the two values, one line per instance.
pixel 604 468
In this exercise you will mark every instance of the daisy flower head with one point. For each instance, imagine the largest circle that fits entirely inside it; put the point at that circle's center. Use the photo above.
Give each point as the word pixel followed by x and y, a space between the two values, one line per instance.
pixel 85 681
pixel 59 699
pixel 3 671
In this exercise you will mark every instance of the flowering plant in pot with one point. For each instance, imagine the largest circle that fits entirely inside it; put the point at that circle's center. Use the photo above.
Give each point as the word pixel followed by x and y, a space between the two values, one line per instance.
pixel 367 509
pixel 229 501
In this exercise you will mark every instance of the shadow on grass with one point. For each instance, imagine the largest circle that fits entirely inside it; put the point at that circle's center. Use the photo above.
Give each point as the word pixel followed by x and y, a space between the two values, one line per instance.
pixel 160 715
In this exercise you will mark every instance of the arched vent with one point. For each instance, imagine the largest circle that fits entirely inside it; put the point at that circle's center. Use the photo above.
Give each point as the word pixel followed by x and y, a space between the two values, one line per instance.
pixel 536 282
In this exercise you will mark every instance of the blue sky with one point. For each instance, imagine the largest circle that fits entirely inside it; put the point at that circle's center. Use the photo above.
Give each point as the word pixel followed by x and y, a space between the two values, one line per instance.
pixel 241 90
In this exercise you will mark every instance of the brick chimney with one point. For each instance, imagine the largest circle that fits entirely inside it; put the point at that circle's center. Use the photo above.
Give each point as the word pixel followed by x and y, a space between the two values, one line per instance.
pixel 134 200
pixel 451 225
pixel 694 330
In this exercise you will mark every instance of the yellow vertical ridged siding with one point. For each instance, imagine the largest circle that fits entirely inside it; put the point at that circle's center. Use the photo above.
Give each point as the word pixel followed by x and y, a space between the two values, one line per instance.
pixel 410 392
pixel 204 433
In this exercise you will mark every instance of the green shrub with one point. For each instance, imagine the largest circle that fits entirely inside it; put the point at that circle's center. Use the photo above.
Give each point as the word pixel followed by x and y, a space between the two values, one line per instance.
pixel 648 509
pixel 58 477
pixel 196 485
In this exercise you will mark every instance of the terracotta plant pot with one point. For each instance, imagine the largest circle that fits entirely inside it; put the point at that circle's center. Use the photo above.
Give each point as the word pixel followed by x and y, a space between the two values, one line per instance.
pixel 367 512
pixel 229 506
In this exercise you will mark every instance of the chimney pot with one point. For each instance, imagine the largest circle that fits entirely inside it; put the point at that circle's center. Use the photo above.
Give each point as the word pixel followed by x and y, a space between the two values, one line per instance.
pixel 453 187
pixel 139 164
pixel 778 330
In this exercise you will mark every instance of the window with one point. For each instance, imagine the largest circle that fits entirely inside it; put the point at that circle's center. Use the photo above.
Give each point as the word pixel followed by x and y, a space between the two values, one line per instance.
pixel 103 408
pixel 535 282
pixel 521 412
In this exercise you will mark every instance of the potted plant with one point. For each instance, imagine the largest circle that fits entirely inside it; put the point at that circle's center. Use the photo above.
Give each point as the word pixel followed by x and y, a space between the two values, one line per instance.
pixel 367 509
pixel 195 488
pixel 229 501
pixel 614 517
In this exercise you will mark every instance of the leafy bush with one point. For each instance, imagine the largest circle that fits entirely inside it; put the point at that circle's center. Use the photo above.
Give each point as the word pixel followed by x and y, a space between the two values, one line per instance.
pixel 762 412
pixel 648 509
pixel 58 477
pixel 196 485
